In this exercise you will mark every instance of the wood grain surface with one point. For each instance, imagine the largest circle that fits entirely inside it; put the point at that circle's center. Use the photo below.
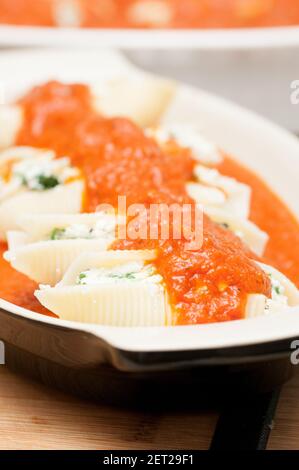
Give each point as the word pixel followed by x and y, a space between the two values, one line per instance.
pixel 33 416
pixel 285 434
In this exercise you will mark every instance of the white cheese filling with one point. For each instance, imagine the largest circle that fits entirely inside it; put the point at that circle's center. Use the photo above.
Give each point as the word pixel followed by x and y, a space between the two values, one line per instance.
pixel 187 136
pixel 128 272
pixel 103 228
pixel 42 173
pixel 214 189
pixel 278 298
pixel 284 294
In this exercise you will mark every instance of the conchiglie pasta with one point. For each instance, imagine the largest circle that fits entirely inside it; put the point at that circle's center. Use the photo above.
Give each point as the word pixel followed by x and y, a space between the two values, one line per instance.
pixel 17 153
pixel 251 235
pixel 255 305
pixel 57 240
pixel 16 239
pixel 33 180
pixel 128 305
pixel 105 259
pixel 11 119
pixel 116 297
pixel 222 192
pixel 11 156
pixel 56 257
pixel 39 226
pixel 189 136
pixel 61 199
pixel 284 295
pixel 290 290
pixel 140 97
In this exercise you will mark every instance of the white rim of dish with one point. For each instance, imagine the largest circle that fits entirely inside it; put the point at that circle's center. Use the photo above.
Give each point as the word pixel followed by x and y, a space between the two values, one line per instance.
pixel 179 338
pixel 244 38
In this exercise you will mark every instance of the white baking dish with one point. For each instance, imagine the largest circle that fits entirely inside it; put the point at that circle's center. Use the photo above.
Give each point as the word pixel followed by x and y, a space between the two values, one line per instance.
pixel 272 152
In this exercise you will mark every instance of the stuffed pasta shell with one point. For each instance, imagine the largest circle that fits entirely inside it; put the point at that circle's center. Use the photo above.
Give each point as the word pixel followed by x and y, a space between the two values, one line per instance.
pixel 57 240
pixel 34 181
pixel 284 294
pixel 117 288
pixel 11 120
pixel 189 136
pixel 211 189
pixel 255 238
pixel 138 96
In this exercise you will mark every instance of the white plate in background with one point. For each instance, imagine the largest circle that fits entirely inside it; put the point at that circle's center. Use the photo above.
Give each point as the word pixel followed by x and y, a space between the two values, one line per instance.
pixel 243 38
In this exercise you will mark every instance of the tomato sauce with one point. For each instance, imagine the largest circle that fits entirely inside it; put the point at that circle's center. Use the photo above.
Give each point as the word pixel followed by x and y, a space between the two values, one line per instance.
pixel 189 13
pixel 117 158
pixel 155 13
pixel 17 288
pixel 272 216
pixel 27 12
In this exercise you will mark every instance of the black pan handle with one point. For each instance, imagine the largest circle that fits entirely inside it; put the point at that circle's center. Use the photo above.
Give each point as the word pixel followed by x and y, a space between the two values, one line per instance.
pixel 246 425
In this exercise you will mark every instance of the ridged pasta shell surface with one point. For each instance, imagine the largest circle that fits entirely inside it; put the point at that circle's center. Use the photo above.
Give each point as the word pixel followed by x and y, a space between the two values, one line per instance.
pixel 121 305
pixel 65 198
pixel 57 240
pixel 218 191
pixel 46 262
pixel 284 295
pixel 250 233
pixel 113 301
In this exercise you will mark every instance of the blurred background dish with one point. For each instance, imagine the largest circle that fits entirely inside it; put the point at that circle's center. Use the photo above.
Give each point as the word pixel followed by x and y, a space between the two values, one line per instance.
pixel 173 14
pixel 244 50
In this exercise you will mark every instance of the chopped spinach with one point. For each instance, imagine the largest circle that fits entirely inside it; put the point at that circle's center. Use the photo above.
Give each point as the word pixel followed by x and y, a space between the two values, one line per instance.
pixel 57 233
pixel 129 276
pixel 123 276
pixel 47 182
pixel 277 290
pixel 40 182
pixel 80 278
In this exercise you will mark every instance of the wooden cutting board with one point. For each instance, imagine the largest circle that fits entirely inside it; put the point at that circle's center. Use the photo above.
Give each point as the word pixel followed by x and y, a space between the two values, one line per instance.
pixel 33 416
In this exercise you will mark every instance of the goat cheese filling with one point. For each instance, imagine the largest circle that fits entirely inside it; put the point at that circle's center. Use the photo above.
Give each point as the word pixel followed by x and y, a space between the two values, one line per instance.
pixel 133 271
pixel 40 174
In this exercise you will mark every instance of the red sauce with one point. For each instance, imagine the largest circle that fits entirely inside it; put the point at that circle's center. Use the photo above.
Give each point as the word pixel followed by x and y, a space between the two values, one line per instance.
pixel 53 113
pixel 27 12
pixel 210 284
pixel 17 288
pixel 160 13
pixel 207 285
pixel 272 216
pixel 189 13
